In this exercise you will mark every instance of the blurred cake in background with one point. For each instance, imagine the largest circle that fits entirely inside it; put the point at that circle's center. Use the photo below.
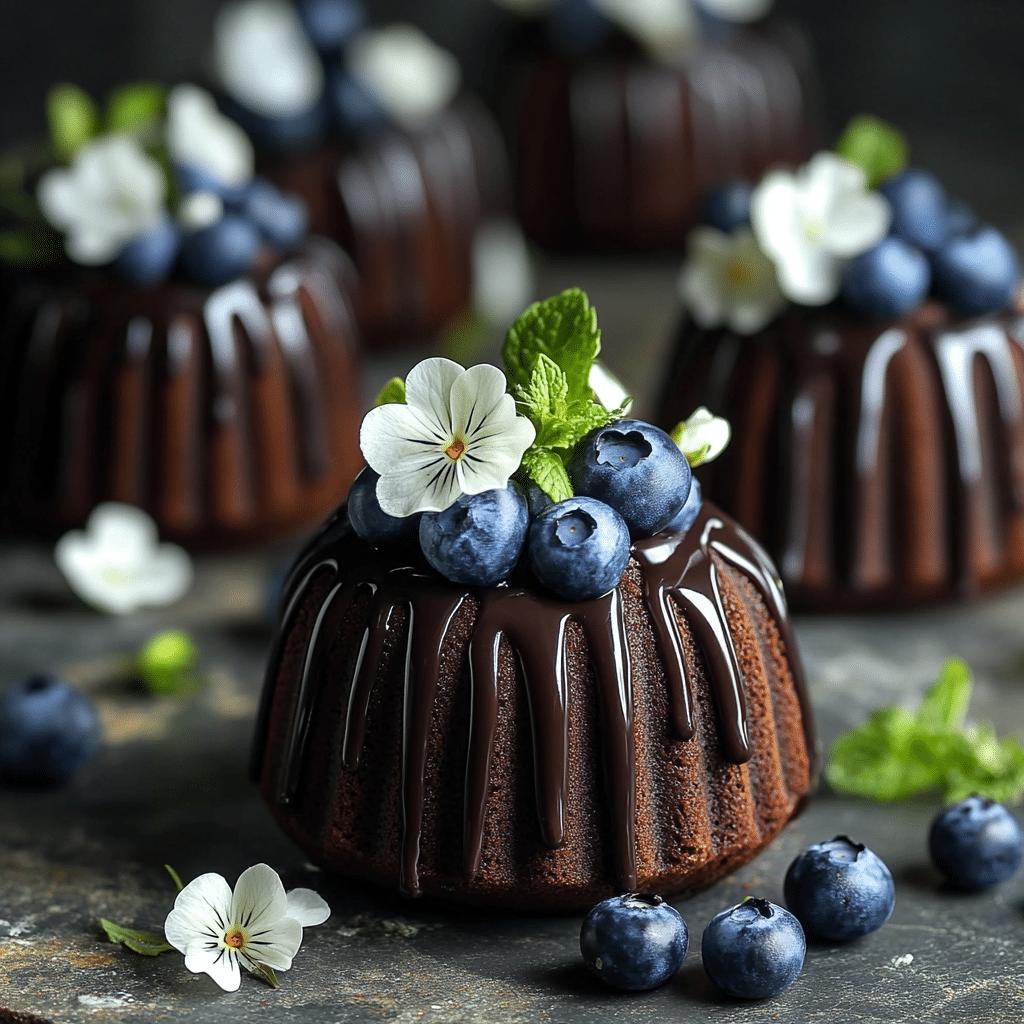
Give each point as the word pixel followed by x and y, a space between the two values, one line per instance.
pixel 170 336
pixel 865 344
pixel 626 112
pixel 395 163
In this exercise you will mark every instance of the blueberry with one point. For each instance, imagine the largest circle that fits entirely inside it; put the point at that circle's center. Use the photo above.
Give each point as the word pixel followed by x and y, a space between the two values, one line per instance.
pixel 976 843
pixel 637 469
pixel 280 216
pixel 356 109
pixel 330 24
pixel 281 134
pixel 47 731
pixel 578 548
pixel 221 251
pixel 634 941
pixel 684 518
pixel 976 272
pixel 753 950
pixel 537 499
pixel 840 890
pixel 371 522
pixel 919 208
pixel 961 218
pixel 888 280
pixel 478 538
pixel 192 178
pixel 728 206
pixel 149 258
pixel 577 27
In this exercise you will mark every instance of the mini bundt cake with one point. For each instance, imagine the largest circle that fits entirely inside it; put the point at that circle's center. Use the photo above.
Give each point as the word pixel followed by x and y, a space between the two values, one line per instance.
pixel 614 147
pixel 876 435
pixel 546 734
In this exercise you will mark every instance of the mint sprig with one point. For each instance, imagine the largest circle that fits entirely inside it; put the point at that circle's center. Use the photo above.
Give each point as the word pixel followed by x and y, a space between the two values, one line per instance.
pixel 897 753
pixel 875 145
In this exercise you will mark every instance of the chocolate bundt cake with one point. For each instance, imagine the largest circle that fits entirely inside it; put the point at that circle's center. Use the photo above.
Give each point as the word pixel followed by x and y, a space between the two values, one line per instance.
pixel 498 746
pixel 229 414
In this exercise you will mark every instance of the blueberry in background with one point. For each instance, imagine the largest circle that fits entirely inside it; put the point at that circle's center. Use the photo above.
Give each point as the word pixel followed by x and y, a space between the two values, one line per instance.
pixel 192 178
pixel 637 469
pixel 48 730
pixel 840 890
pixel 919 208
pixel 356 109
pixel 149 258
pixel 685 517
pixel 728 206
pixel 221 251
pixel 282 134
pixel 371 522
pixel 753 950
pixel 281 217
pixel 887 280
pixel 578 548
pixel 976 272
pixel 478 538
pixel 976 843
pixel 960 217
pixel 634 941
pixel 330 24
pixel 576 28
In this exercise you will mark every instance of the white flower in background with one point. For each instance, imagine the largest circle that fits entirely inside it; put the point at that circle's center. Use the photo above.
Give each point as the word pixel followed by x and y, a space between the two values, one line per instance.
pixel 199 135
pixel 198 210
pixel 459 433
pixel 811 221
pixel 663 27
pixel 702 437
pixel 411 76
pixel 117 565
pixel 264 60
pixel 110 195
pixel 608 388
pixel 257 925
pixel 737 10
pixel 728 280
pixel 502 275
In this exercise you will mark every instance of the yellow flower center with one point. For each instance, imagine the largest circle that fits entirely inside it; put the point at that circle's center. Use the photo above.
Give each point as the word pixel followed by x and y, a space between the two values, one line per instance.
pixel 235 939
pixel 455 449
pixel 739 273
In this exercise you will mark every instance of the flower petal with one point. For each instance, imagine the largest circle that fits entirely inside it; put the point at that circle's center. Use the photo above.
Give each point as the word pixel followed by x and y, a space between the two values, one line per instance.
pixel 307 907
pixel 810 275
pixel 705 431
pixel 857 221
pixel 475 395
pixel 774 213
pixel 259 898
pixel 220 964
pixel 700 290
pixel 200 915
pixel 431 488
pixel 429 386
pixel 274 943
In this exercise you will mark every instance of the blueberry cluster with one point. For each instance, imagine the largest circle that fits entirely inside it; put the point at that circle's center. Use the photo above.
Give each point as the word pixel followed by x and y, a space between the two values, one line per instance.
pixel 229 225
pixel 630 480
pixel 935 245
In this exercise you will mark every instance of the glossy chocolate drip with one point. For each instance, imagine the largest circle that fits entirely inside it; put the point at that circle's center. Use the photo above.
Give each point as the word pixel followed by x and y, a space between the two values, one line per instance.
pixel 674 568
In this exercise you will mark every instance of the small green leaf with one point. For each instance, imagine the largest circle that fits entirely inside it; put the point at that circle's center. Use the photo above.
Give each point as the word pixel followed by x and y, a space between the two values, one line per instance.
pixel 875 145
pixel 167 664
pixel 944 706
pixel 547 471
pixel 27 246
pixel 146 943
pixel 73 119
pixel 132 108
pixel 178 885
pixel 393 393
pixel 264 973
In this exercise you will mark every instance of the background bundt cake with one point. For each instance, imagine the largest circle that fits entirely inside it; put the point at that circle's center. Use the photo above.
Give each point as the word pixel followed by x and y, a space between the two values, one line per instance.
pixel 877 436
pixel 483 700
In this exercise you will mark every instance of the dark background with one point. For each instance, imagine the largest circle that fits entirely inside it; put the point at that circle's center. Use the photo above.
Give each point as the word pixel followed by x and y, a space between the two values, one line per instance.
pixel 949 72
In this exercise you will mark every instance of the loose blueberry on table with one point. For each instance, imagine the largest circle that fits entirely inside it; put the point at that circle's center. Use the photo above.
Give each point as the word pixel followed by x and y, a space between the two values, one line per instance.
pixel 753 950
pixel 976 843
pixel 634 941
pixel 840 890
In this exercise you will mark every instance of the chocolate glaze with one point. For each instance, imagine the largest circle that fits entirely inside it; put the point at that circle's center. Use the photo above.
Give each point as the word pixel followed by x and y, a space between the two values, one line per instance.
pixel 881 463
pixel 227 414
pixel 674 568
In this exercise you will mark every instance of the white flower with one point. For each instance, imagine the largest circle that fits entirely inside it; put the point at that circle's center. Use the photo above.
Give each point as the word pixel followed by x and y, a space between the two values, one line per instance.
pixel 702 437
pixel 198 210
pixel 663 27
pixel 810 222
pixel 256 925
pixel 607 388
pixel 502 276
pixel 264 60
pixel 411 76
pixel 727 279
pixel 199 135
pixel 737 10
pixel 458 434
pixel 110 195
pixel 117 565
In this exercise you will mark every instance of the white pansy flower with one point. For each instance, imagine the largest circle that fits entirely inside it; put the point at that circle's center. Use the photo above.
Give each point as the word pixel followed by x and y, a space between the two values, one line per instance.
pixel 503 280
pixel 264 60
pixel 811 221
pixel 199 135
pixel 458 433
pixel 702 437
pixel 737 10
pixel 727 280
pixel 258 925
pixel 411 76
pixel 109 196
pixel 117 565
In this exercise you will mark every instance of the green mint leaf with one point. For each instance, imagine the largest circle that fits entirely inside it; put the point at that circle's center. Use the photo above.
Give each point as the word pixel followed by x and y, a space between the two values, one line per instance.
pixel 264 973
pixel 178 884
pixel 393 393
pixel 146 943
pixel 132 108
pixel 564 328
pixel 27 246
pixel 944 706
pixel 167 664
pixel 73 119
pixel 875 145
pixel 547 471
